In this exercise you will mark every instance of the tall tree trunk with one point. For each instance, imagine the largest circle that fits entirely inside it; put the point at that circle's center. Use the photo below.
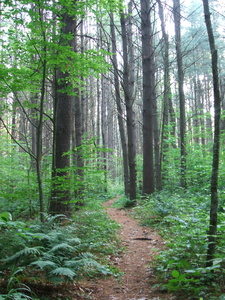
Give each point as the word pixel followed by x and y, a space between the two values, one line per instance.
pixel 78 126
pixel 129 100
pixel 216 146
pixel 60 198
pixel 104 128
pixel 209 126
pixel 78 143
pixel 39 140
pixel 198 118
pixel 148 94
pixel 119 108
pixel 166 89
pixel 39 128
pixel 13 131
pixel 33 128
pixel 177 21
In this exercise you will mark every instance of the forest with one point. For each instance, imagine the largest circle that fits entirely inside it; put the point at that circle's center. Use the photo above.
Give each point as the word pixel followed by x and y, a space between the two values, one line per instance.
pixel 103 99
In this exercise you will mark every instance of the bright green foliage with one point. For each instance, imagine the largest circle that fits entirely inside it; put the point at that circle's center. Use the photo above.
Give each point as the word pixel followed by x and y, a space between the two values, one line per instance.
pixel 198 168
pixel 30 37
pixel 33 49
pixel 93 180
pixel 18 194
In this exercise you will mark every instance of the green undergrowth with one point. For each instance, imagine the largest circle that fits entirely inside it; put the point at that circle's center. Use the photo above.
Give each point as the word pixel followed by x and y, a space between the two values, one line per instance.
pixel 55 253
pixel 182 219
pixel 121 202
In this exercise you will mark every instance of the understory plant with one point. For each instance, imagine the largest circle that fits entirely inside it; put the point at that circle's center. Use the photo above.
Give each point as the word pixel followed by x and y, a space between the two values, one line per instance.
pixel 58 251
pixel 182 218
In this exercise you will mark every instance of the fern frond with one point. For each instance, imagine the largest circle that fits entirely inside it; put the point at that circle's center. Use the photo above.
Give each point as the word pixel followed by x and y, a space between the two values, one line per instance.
pixel 76 241
pixel 52 218
pixel 103 270
pixel 176 219
pixel 87 265
pixel 65 272
pixel 85 255
pixel 43 264
pixel 62 247
pixel 41 236
pixel 82 263
pixel 56 259
pixel 27 251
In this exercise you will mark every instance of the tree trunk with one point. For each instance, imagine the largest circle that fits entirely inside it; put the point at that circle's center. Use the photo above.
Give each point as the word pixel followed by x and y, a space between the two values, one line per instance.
pixel 148 100
pixel 177 19
pixel 104 128
pixel 128 92
pixel 166 90
pixel 119 108
pixel 216 146
pixel 60 190
pixel 39 129
pixel 78 125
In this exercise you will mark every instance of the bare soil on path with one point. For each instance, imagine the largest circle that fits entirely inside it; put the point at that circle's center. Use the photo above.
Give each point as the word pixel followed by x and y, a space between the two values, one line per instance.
pixel 137 280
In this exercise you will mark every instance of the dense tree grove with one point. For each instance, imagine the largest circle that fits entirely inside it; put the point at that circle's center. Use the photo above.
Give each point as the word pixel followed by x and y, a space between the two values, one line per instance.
pixel 128 94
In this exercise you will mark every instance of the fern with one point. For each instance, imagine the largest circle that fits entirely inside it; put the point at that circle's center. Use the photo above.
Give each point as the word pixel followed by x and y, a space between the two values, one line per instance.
pixel 44 264
pixel 52 219
pixel 54 250
pixel 86 255
pixel 176 219
pixel 40 236
pixel 23 254
pixel 82 263
pixel 62 247
pixel 85 263
pixel 67 273
pixel 75 241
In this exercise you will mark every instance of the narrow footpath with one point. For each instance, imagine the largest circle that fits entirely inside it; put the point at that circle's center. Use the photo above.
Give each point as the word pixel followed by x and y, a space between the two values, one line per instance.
pixel 141 246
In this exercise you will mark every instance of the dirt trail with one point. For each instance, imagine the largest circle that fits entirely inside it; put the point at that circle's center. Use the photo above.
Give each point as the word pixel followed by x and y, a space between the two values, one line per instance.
pixel 141 245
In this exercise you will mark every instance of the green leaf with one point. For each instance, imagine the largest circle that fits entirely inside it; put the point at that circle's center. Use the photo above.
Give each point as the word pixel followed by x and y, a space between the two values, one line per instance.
pixel 6 216
pixel 175 274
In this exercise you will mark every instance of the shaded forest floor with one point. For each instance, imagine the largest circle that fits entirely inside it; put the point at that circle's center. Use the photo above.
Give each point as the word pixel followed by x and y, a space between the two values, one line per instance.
pixel 133 263
pixel 137 280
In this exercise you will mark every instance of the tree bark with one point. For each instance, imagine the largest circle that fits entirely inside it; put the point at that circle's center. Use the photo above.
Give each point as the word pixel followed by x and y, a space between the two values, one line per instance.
pixel 63 126
pixel 78 125
pixel 119 108
pixel 216 145
pixel 128 86
pixel 148 100
pixel 39 129
pixel 177 21
pixel 166 89
pixel 104 128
